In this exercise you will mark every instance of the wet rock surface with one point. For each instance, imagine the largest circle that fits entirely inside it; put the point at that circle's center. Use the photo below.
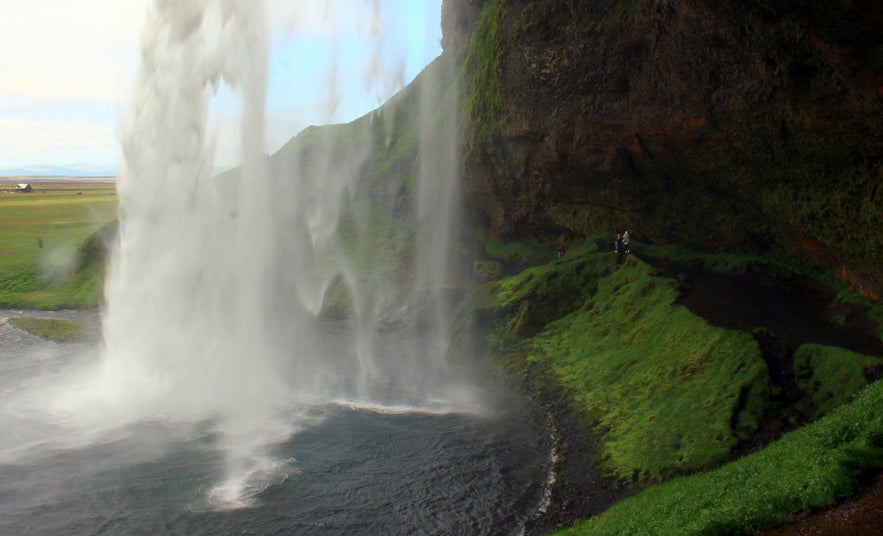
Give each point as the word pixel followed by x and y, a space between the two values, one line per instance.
pixel 732 125
pixel 579 490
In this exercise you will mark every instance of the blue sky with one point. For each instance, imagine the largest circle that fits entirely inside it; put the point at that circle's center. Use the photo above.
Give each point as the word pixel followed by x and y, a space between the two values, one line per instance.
pixel 67 71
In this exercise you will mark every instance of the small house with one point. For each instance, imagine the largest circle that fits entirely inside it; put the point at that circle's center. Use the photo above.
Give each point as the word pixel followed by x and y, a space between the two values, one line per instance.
pixel 24 187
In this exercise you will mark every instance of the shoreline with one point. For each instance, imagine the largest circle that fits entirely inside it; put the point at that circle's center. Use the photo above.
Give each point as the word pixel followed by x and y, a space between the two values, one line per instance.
pixel 578 491
pixel 82 315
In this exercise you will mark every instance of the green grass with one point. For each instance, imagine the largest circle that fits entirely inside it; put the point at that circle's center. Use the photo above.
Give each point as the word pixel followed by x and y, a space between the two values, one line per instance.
pixel 519 253
pixel 833 375
pixel 665 392
pixel 813 467
pixel 666 398
pixel 56 329
pixel 378 247
pixel 63 220
pixel 718 262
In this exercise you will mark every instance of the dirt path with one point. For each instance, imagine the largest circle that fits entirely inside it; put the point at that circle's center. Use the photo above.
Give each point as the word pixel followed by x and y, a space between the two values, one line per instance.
pixel 796 309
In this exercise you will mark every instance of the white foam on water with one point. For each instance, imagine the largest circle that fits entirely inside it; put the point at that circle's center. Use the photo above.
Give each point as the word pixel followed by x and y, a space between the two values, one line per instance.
pixel 241 490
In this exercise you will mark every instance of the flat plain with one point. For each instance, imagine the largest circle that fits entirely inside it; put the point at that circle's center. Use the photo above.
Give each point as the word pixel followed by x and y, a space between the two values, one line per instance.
pixel 41 231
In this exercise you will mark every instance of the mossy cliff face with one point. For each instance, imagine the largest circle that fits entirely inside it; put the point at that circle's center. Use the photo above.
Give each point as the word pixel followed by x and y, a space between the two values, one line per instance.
pixel 734 125
pixel 365 181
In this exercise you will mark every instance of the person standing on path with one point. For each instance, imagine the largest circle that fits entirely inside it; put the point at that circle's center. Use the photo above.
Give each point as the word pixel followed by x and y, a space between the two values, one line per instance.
pixel 626 241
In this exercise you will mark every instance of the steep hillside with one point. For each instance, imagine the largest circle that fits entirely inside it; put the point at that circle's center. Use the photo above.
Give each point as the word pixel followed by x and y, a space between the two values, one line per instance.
pixel 742 145
pixel 751 126
pixel 368 182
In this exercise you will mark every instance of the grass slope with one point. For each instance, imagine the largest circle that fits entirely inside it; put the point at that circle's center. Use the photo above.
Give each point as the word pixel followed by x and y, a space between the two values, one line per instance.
pixel 663 394
pixel 61 273
pixel 813 467
pixel 666 392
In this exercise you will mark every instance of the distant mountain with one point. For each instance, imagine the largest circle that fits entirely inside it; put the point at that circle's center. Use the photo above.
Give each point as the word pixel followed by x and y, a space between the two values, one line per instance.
pixel 52 170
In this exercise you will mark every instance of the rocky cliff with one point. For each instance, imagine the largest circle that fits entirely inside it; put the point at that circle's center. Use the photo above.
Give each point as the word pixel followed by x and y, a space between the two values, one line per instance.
pixel 736 125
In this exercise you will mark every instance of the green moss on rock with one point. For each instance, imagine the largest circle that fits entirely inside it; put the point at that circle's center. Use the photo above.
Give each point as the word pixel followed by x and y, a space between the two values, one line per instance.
pixel 833 376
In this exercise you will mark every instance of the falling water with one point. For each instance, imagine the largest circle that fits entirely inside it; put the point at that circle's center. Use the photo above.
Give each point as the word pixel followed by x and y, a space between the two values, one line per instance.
pixel 216 284
pixel 190 325
pixel 179 313
pixel 276 337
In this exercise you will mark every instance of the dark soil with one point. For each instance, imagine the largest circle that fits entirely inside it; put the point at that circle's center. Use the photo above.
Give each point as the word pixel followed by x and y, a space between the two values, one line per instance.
pixel 863 514
pixel 796 309
pixel 579 491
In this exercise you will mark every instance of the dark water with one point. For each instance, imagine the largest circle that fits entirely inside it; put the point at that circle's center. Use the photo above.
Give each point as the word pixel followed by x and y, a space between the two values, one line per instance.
pixel 355 473
pixel 348 470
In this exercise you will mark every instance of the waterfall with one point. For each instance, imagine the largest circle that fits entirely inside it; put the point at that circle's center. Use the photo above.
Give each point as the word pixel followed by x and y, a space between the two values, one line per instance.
pixel 218 286
pixel 189 289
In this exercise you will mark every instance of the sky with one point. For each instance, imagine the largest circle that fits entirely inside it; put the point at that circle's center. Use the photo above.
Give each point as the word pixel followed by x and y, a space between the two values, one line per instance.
pixel 68 69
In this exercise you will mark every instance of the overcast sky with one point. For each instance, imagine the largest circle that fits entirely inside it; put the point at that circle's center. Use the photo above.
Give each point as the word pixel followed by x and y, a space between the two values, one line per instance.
pixel 67 71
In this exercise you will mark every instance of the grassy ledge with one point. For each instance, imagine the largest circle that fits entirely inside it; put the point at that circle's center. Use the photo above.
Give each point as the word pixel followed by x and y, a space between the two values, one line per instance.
pixel 669 400
pixel 665 392
pixel 56 329
pixel 813 467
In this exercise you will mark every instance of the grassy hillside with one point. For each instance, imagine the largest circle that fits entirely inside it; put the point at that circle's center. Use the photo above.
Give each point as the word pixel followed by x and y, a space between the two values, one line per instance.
pixel 371 169
pixel 48 257
pixel 810 468
pixel 662 393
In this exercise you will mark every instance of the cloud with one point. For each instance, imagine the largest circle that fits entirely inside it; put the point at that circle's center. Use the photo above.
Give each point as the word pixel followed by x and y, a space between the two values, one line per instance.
pixel 67 69
pixel 55 49
pixel 26 142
